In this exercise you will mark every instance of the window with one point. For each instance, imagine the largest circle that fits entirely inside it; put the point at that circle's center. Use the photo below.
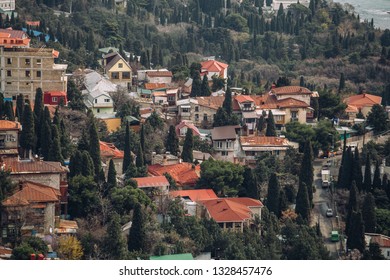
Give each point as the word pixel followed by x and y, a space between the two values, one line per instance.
pixel 96 100
pixel 171 98
pixel 294 115
pixel 39 74
pixel 278 118
pixel 54 99
pixel 196 117
pixel 205 117
pixel 107 100
pixel 185 110
pixel 39 61
pixel 219 144
pixel 224 153
pixel 28 61
pixel 115 75
pixel 98 110
pixel 196 108
pixel 9 73
pixel 28 73
pixel 10 83
pixel 229 144
pixel 126 75
pixel 9 60
pixel 120 65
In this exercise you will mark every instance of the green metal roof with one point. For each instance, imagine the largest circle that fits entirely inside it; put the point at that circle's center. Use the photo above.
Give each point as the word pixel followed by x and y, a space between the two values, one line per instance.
pixel 178 257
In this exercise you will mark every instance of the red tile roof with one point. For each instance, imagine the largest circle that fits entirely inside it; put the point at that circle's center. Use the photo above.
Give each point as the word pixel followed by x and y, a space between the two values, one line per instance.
pixel 287 90
pixel 244 98
pixel 195 195
pixel 19 34
pixel 230 209
pixel 382 240
pixel 185 174
pixel 292 103
pixel 351 109
pixel 213 102
pixel 109 150
pixel 159 74
pixel 148 182
pixel 363 100
pixel 9 125
pixel 154 85
pixel 263 141
pixel 32 193
pixel 213 66
pixel 188 124
pixel 16 166
pixel 266 101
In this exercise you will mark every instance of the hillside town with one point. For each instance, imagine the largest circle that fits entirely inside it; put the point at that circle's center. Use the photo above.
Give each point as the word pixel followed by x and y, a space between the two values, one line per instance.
pixel 131 158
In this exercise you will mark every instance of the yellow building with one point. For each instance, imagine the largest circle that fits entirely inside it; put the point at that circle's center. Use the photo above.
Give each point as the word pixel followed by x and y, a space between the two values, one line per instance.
pixel 117 69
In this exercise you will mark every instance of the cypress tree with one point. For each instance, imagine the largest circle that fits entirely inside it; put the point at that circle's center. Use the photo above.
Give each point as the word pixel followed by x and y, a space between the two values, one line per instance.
pixel 261 125
pixel 139 160
pixel 356 238
pixel 205 88
pixel 2 106
pixel 75 164
pixel 271 128
pixel 283 201
pixel 357 170
pixel 367 175
pixel 111 176
pixel 228 103
pixel 127 152
pixel 306 175
pixel 9 111
pixel 88 168
pixel 376 183
pixel 196 89
pixel 249 185
pixel 64 139
pixel 28 132
pixel 172 142
pixel 83 144
pixel 142 141
pixel 352 206
pixel 94 147
pixel 114 243
pixel 19 107
pixel 302 202
pixel 46 140
pixel 187 154
pixel 273 195
pixel 368 213
pixel 55 147
pixel 385 181
pixel 136 241
pixel 342 82
pixel 38 111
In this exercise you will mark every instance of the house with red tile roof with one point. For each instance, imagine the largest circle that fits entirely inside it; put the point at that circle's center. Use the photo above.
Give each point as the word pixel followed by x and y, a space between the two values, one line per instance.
pixel 232 214
pixel 245 105
pixel 361 102
pixel 108 151
pixel 183 126
pixel 296 92
pixel 156 187
pixel 190 199
pixel 185 174
pixel 213 67
pixel 32 208
pixel 55 98
pixel 9 138
pixel 382 240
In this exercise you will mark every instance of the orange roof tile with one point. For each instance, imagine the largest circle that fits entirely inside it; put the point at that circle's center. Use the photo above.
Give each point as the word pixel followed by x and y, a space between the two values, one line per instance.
pixel 188 124
pixel 244 98
pixel 16 166
pixel 185 174
pixel 290 90
pixel 32 193
pixel 109 150
pixel 213 65
pixel 263 141
pixel 195 195
pixel 154 85
pixel 266 101
pixel 148 182
pixel 9 125
pixel 291 103
pixel 363 100
pixel 230 209
pixel 213 102
pixel 351 109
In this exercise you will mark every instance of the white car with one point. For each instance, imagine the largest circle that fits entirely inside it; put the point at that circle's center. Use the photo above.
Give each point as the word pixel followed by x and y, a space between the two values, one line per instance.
pixel 329 212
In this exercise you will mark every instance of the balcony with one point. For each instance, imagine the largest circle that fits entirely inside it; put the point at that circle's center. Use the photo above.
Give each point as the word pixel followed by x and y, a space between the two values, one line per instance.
pixel 247 109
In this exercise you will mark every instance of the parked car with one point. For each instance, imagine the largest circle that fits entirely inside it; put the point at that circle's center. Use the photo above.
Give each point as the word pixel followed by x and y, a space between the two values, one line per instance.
pixel 329 213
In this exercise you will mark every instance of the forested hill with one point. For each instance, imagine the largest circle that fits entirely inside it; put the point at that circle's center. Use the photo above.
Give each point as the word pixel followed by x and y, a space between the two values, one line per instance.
pixel 320 42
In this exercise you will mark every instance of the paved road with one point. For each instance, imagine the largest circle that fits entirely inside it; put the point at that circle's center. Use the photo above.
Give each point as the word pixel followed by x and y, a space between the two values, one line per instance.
pixel 322 201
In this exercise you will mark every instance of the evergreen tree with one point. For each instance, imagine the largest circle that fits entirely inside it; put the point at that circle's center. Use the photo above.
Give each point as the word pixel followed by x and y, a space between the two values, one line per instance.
pixel 65 140
pixel 352 206
pixel 142 141
pixel 28 132
pixel 249 185
pixel 19 107
pixel 114 244
pixel 38 111
pixel 273 195
pixel 221 118
pixel 205 88
pixel 87 169
pixel 196 89
pixel 261 125
pixel 228 103
pixel 368 213
pixel 9 111
pixel 283 201
pixel 111 176
pixel 172 141
pixel 385 181
pixel 46 140
pixel 342 82
pixel 302 202
pixel 83 144
pixel 94 147
pixel 271 128
pixel 188 145
pixel 306 175
pixel 139 160
pixel 367 175
pixel 55 147
pixel 75 167
pixel 376 183
pixel 374 252
pixel 127 158
pixel 357 171
pixel 136 241
pixel 356 237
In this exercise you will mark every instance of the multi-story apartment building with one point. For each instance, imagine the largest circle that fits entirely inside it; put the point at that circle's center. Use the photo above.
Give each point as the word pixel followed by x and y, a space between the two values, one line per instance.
pixel 7 5
pixel 24 69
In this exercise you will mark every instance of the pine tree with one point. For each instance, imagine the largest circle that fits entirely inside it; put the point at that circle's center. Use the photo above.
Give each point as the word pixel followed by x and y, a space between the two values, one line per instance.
pixel 127 152
pixel 367 175
pixel 28 132
pixel 114 244
pixel 111 176
pixel 356 238
pixel 172 141
pixel 187 154
pixel 94 147
pixel 273 195
pixel 55 147
pixel 136 241
pixel 271 128
pixel 306 175
pixel 368 213
pixel 196 89
pixel 376 183
pixel 205 88
pixel 38 111
pixel 302 202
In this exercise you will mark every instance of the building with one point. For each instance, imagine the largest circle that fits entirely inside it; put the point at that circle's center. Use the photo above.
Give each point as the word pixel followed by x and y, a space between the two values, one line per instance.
pixel 9 138
pixel 232 214
pixel 185 174
pixel 156 187
pixel 225 142
pixel 254 146
pixel 246 105
pixel 361 103
pixel 108 151
pixel 7 5
pixel 190 198
pixel 213 67
pixel 55 98
pixel 159 76
pixel 382 240
pixel 118 70
pixel 31 210
pixel 24 69
pixel 295 92
pixel 183 126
